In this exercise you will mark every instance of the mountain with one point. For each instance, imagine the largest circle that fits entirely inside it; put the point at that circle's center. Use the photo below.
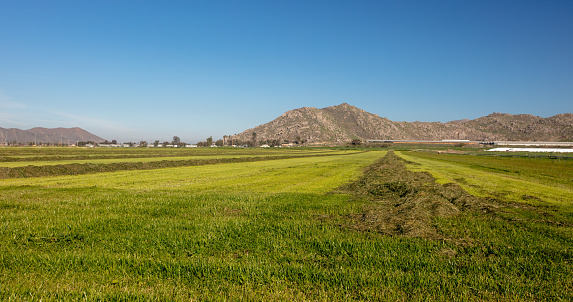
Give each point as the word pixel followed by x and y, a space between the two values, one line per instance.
pixel 527 127
pixel 45 135
pixel 342 123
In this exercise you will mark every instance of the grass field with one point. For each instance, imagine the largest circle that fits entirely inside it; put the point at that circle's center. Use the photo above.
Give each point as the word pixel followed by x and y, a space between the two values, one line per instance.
pixel 510 178
pixel 145 159
pixel 98 161
pixel 10 157
pixel 299 227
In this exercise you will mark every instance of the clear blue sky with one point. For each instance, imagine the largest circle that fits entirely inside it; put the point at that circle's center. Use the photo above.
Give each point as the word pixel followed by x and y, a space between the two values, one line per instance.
pixel 146 70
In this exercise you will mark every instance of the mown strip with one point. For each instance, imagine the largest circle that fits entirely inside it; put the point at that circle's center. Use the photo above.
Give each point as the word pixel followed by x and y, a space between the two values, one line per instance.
pixel 67 154
pixel 123 160
pixel 541 169
pixel 76 169
pixel 531 181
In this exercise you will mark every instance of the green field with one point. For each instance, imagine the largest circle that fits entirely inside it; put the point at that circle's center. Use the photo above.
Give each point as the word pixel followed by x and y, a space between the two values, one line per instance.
pixel 509 178
pixel 286 224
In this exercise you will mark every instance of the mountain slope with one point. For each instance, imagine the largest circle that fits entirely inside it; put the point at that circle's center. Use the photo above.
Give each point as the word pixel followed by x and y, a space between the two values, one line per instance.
pixel 342 123
pixel 45 135
pixel 503 126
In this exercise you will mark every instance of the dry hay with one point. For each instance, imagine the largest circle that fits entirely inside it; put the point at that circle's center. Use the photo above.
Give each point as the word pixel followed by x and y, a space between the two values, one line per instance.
pixel 405 202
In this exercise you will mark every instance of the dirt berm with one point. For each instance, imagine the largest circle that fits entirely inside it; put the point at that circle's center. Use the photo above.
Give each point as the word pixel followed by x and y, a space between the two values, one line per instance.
pixel 405 202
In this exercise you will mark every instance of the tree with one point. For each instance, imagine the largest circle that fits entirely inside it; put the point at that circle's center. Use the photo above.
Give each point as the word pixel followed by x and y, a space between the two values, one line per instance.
pixel 209 141
pixel 85 143
pixel 219 143
pixel 254 139
pixel 156 143
pixel 176 140
pixel 203 144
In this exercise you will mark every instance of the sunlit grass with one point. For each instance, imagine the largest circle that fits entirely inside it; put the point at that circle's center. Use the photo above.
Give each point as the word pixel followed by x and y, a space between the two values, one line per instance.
pixel 27 152
pixel 60 159
pixel 263 231
pixel 121 160
pixel 496 183
pixel 320 174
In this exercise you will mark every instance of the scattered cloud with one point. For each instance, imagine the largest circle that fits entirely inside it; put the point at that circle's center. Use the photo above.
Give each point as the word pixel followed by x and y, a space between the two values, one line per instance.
pixel 76 120
pixel 7 102
pixel 6 122
pixel 18 115
pixel 25 120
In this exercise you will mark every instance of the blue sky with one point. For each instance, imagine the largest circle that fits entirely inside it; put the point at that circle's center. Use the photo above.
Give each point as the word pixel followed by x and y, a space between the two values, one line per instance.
pixel 146 70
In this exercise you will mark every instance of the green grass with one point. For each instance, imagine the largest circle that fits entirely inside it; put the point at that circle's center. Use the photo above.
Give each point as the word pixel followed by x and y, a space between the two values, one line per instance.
pixel 13 157
pixel 131 160
pixel 266 231
pixel 529 233
pixel 512 179
pixel 114 160
pixel 72 167
pixel 309 174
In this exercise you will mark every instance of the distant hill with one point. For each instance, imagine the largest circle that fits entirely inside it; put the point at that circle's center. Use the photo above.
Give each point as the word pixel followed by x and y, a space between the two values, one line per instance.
pixel 342 123
pixel 503 126
pixel 45 135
